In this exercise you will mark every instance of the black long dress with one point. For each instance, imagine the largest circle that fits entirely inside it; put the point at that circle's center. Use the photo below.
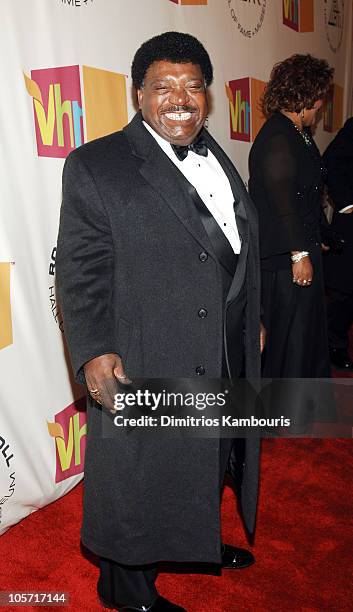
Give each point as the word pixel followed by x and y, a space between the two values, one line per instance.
pixel 286 179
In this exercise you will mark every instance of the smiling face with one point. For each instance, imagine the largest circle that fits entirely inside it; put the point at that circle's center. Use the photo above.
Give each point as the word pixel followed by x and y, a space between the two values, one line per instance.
pixel 173 101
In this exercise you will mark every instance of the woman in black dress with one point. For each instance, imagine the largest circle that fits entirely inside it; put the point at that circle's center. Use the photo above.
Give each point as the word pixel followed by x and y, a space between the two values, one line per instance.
pixel 286 179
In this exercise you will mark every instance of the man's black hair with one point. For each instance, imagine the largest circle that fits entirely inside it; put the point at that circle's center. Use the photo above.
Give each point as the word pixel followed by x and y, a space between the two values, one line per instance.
pixel 175 47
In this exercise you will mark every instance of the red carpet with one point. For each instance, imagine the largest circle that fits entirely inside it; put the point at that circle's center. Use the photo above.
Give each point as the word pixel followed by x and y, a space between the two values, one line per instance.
pixel 303 547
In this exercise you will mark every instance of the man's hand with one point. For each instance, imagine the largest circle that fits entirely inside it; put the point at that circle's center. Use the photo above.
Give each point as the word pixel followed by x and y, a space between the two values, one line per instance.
pixel 303 272
pixel 262 337
pixel 102 375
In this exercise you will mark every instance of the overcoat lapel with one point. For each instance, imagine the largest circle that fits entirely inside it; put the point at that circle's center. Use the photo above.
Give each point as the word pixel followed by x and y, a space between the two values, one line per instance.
pixel 221 245
pixel 240 197
pixel 160 172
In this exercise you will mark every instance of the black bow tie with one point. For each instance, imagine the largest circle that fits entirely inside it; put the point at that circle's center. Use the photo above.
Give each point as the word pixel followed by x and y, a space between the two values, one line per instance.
pixel 199 146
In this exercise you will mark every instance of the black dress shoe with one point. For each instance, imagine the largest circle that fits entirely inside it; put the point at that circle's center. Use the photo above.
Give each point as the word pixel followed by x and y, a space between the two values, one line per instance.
pixel 340 359
pixel 160 605
pixel 236 558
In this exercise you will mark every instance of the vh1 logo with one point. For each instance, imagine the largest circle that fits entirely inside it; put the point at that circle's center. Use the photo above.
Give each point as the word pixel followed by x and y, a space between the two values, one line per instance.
pixel 69 431
pixel 299 15
pixel 246 117
pixel 59 112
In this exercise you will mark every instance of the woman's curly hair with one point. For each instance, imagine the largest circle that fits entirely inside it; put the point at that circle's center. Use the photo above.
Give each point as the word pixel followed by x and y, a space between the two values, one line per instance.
pixel 296 83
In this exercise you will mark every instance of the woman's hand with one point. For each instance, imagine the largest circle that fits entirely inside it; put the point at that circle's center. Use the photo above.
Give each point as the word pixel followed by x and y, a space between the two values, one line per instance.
pixel 303 272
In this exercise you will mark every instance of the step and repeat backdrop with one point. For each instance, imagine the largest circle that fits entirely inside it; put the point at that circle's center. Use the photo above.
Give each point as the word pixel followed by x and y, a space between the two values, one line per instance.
pixel 65 80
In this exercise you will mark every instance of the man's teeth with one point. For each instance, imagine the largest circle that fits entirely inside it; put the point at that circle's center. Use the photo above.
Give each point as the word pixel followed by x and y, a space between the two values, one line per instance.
pixel 178 116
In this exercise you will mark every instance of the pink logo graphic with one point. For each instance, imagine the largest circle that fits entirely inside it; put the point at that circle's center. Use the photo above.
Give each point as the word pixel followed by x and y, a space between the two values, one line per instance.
pixel 245 114
pixel 239 100
pixel 58 110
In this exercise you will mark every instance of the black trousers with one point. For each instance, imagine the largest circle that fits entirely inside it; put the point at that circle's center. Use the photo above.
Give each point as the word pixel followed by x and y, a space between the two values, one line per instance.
pixel 340 318
pixel 129 585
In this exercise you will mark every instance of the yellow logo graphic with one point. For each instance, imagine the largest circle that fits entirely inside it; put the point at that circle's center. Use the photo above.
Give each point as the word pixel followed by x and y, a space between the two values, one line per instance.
pixel 5 306
pixel 69 431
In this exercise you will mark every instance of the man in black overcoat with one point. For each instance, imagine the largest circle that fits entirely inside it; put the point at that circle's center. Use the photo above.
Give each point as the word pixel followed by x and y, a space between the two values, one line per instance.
pixel 158 276
pixel 338 265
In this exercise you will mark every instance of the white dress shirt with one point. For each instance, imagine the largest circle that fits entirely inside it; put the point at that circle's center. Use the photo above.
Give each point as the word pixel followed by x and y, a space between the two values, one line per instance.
pixel 211 183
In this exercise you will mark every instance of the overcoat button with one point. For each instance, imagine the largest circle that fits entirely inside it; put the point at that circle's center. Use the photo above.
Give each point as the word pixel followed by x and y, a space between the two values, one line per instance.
pixel 203 256
pixel 202 313
pixel 200 370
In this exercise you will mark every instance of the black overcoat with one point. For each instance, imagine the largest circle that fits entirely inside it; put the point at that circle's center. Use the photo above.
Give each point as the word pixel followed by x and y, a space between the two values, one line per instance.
pixel 131 281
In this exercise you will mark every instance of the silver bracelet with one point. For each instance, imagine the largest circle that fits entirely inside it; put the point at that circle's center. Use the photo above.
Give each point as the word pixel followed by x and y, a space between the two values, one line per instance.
pixel 299 256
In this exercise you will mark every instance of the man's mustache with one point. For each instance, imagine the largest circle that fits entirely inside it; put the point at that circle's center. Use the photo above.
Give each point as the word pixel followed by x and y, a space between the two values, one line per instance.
pixel 179 109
